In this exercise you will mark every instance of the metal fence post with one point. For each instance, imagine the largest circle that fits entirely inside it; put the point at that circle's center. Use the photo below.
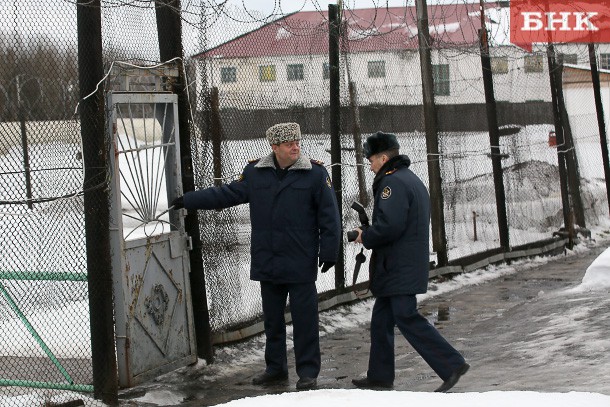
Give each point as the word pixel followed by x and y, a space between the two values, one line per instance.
pixel 439 236
pixel 96 201
pixel 561 157
pixel 216 132
pixel 353 99
pixel 494 141
pixel 26 157
pixel 570 151
pixel 335 125
pixel 599 108
pixel 169 30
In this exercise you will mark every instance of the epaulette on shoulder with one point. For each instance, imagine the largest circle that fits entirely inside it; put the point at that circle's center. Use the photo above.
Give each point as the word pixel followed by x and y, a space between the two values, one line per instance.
pixel 392 171
pixel 254 160
pixel 318 162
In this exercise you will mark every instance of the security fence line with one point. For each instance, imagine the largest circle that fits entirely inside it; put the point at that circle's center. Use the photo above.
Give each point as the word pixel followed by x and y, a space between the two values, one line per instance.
pixel 511 144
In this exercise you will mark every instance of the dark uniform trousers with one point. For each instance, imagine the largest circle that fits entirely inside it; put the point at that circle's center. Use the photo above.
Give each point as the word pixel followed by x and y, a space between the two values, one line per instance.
pixel 306 336
pixel 401 311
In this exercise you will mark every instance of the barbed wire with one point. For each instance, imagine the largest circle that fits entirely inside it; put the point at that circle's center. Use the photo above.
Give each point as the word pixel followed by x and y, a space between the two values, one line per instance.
pixel 69 196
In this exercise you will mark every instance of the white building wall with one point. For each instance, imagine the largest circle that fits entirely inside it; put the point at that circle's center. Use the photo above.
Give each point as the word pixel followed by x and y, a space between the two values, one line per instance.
pixel 400 86
pixel 580 104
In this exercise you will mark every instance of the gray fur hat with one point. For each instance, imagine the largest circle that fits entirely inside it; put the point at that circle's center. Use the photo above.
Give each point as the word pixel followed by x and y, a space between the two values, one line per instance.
pixel 379 142
pixel 283 132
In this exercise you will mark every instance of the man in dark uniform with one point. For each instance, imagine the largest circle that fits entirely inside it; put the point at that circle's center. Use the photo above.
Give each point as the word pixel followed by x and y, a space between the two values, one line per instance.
pixel 399 238
pixel 295 229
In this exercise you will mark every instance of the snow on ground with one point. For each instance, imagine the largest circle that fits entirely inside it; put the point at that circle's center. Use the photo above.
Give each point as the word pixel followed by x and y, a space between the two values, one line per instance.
pixel 598 273
pixel 367 398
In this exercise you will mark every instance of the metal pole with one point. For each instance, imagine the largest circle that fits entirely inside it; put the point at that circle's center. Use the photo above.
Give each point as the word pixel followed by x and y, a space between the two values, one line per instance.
pixel 563 176
pixel 569 149
pixel 494 141
pixel 599 107
pixel 334 22
pixel 169 30
pixel 216 131
pixel 26 158
pixel 439 237
pixel 97 218
pixel 353 99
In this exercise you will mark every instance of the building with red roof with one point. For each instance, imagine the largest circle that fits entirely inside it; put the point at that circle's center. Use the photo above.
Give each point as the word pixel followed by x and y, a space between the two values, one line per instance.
pixel 285 62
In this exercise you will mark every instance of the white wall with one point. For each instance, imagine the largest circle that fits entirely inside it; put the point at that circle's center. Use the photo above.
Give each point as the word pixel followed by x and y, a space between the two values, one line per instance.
pixel 580 104
pixel 402 84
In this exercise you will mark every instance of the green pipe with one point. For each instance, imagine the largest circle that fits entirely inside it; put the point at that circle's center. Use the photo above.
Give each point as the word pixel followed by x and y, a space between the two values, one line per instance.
pixel 35 334
pixel 46 385
pixel 41 276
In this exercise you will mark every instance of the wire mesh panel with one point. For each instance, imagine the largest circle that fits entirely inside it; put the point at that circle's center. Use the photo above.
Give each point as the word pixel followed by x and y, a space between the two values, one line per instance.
pixel 585 129
pixel 45 349
pixel 245 70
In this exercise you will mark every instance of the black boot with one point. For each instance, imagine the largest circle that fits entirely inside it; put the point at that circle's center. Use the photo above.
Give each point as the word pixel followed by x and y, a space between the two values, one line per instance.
pixel 453 379
pixel 306 383
pixel 268 378
pixel 366 383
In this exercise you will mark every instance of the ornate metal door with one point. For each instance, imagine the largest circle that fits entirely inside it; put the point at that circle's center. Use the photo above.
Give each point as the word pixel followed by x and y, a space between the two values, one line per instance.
pixel 154 319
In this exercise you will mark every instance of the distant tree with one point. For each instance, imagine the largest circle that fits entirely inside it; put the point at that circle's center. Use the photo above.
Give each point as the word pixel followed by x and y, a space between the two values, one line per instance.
pixel 40 78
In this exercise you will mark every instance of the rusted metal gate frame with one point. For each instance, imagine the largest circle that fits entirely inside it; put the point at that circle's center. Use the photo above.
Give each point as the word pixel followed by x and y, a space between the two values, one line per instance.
pixel 176 240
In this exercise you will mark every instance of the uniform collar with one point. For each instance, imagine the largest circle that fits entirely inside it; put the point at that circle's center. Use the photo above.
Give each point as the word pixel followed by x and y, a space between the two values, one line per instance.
pixel 303 163
pixel 388 168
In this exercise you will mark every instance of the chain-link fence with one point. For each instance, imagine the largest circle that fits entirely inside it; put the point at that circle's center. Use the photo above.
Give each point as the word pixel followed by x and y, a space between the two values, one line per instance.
pixel 243 71
pixel 44 315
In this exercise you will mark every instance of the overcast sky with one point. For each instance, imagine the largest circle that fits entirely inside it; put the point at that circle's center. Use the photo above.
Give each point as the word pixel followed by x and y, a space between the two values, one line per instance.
pixel 279 6
pixel 297 5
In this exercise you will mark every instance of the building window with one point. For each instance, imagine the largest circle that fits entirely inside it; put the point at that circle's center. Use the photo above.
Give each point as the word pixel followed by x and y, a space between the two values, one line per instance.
pixel 499 65
pixel 294 72
pixel 441 79
pixel 228 74
pixel 604 61
pixel 570 59
pixel 325 71
pixel 266 73
pixel 376 69
pixel 534 63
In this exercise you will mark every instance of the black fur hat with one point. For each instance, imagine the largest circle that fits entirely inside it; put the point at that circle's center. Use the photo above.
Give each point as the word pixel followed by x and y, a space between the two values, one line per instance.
pixel 380 142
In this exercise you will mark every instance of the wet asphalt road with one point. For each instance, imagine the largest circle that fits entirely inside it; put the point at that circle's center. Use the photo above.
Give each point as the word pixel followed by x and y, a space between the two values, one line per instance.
pixel 522 332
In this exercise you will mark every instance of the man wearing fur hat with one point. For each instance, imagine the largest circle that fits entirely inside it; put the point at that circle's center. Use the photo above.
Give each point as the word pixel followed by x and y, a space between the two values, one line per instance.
pixel 295 229
pixel 399 265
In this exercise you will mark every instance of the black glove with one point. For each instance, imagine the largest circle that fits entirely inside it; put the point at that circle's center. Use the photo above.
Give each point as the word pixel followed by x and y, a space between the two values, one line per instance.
pixel 326 265
pixel 178 203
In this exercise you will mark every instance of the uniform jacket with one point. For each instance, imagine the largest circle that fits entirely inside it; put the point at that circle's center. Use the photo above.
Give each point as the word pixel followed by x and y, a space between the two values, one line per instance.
pixel 295 221
pixel 399 231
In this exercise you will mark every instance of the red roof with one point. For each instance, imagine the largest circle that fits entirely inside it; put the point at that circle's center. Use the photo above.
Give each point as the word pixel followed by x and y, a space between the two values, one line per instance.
pixel 374 29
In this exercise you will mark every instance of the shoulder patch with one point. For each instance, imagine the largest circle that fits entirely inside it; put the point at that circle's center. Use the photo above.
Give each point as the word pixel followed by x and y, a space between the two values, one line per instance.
pixel 241 178
pixel 328 183
pixel 254 160
pixel 392 171
pixel 386 193
pixel 318 162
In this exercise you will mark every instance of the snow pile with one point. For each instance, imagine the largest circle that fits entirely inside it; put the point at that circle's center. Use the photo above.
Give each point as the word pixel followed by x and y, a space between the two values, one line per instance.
pixel 597 276
pixel 357 398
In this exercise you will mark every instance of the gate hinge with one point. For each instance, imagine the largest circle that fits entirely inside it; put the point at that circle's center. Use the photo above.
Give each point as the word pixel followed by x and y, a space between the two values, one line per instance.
pixel 189 243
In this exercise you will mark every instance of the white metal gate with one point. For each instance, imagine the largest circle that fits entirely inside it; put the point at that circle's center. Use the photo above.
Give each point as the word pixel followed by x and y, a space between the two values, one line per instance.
pixel 154 322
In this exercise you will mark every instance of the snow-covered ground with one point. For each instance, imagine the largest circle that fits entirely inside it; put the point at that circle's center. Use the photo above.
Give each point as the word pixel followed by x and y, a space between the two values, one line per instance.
pixel 367 398
pixel 597 276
